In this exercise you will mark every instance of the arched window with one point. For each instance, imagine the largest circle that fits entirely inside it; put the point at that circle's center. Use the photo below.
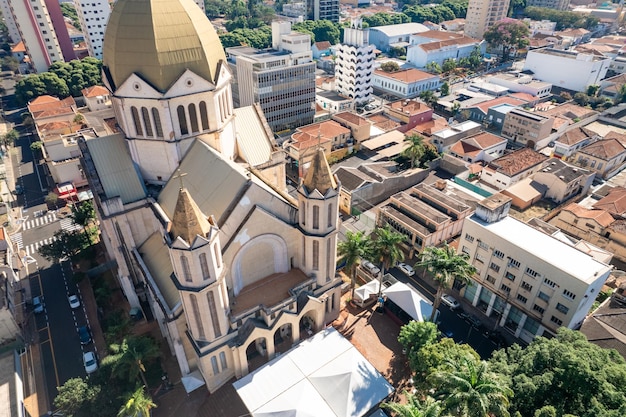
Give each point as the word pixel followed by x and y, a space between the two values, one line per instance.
pixel 184 263
pixel 193 117
pixel 218 259
pixel 203 116
pixel 213 312
pixel 303 214
pixel 157 122
pixel 330 215
pixel 196 315
pixel 204 266
pixel 316 217
pixel 136 120
pixel 146 122
pixel 316 255
pixel 182 120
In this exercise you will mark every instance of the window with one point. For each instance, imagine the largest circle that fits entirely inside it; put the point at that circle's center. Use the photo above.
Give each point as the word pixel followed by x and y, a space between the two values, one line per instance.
pixel 182 120
pixel 214 317
pixel 146 121
pixel 196 315
pixel 216 370
pixel 480 258
pixel 538 309
pixel 522 298
pixel 316 255
pixel 193 117
pixel 157 122
pixel 532 272
pixel 569 295
pixel 510 276
pixel 490 279
pixel 184 263
pixel 223 361
pixel 483 245
pixel 549 283
pixel 495 267
pixel 505 288
pixel 498 254
pixel 330 215
pixel 203 116
pixel 561 308
pixel 543 296
pixel 526 286
pixel 136 121
pixel 465 249
pixel 469 238
pixel 218 258
pixel 204 266
pixel 316 217
pixel 556 320
pixel 513 263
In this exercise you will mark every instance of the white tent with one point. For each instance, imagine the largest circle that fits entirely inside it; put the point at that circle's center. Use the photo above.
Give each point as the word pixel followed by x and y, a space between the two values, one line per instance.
pixel 324 376
pixel 192 381
pixel 409 300
pixel 363 293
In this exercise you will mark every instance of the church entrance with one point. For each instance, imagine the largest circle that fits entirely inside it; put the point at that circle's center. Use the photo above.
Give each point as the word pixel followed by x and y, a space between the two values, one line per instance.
pixel 283 338
pixel 307 325
pixel 256 353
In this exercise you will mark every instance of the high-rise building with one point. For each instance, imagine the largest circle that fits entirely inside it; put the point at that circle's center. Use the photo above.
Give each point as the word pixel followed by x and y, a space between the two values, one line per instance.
pixel 354 65
pixel 323 10
pixel 281 79
pixel 9 21
pixel 93 16
pixel 482 14
pixel 549 4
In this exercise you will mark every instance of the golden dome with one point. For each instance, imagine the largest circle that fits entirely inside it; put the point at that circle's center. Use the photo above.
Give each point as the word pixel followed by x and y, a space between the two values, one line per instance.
pixel 159 40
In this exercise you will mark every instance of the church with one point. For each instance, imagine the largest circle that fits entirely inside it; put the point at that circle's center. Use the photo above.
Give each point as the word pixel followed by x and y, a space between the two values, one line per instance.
pixel 192 201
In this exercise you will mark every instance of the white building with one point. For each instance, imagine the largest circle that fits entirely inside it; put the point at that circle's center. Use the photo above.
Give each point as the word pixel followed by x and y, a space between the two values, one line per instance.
pixel 582 71
pixel 437 46
pixel 9 21
pixel 521 83
pixel 93 16
pixel 482 14
pixel 390 36
pixel 532 282
pixel 354 65
pixel 407 83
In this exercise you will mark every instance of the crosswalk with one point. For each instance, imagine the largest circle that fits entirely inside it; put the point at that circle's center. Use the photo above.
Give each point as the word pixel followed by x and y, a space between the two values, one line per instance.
pixel 33 247
pixel 39 221
pixel 17 238
pixel 69 225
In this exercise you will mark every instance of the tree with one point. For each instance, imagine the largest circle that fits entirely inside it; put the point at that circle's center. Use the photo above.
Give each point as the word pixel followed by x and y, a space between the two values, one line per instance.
pixel 10 137
pixel 10 64
pixel 415 151
pixel 592 90
pixel 414 407
pixel 322 30
pixel 65 245
pixel 437 356
pixel 138 404
pixel 132 355
pixel 507 34
pixel 29 88
pixel 83 214
pixel 385 248
pixel 448 65
pixel 433 67
pixel 581 99
pixel 390 66
pixel 36 147
pixel 415 335
pixel 567 372
pixel 470 390
pixel 51 198
pixel 445 89
pixel 446 266
pixel 73 395
pixel 68 10
pixel 428 97
pixel 352 250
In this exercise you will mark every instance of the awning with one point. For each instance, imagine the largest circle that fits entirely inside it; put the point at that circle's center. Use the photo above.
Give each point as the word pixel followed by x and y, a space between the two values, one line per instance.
pixel 192 381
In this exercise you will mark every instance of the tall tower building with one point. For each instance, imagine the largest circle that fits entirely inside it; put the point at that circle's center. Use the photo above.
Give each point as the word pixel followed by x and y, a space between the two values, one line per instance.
pixel 482 14
pixel 281 79
pixel 354 64
pixel 9 21
pixel 93 16
pixel 323 10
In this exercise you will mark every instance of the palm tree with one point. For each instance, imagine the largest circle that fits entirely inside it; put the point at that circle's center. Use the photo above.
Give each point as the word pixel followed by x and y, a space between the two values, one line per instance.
pixel 385 249
pixel 138 405
pixel 467 389
pixel 132 355
pixel 414 407
pixel 446 265
pixel 415 151
pixel 353 249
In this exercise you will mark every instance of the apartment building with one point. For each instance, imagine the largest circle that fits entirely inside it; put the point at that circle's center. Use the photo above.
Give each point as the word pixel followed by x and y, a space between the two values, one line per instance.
pixel 323 10
pixel 549 4
pixel 93 16
pixel 405 84
pixel 281 79
pixel 531 281
pixel 482 14
pixel 524 128
pixel 354 64
pixel 605 157
pixel 10 22
pixel 509 169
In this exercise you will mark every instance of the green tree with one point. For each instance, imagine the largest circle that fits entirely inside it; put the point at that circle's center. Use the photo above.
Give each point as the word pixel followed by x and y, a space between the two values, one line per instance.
pixel 507 34
pixel 68 10
pixel 433 67
pixel 446 266
pixel 448 65
pixel 10 63
pixel 37 146
pixel 322 30
pixel 581 99
pixel 352 250
pixel 414 407
pixel 385 248
pixel 428 97
pixel 468 389
pixel 65 245
pixel 415 150
pixel 445 89
pixel 546 411
pixel 437 356
pixel 132 356
pixel 29 88
pixel 592 90
pixel 73 395
pixel 83 214
pixel 415 335
pixel 138 404
pixel 390 66
pixel 567 372
pixel 10 137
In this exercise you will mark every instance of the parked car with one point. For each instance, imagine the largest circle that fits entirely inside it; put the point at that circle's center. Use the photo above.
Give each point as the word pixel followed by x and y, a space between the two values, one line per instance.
pixel 19 190
pixel 38 305
pixel 370 267
pixel 450 301
pixel 74 301
pixel 496 337
pixel 474 321
pixel 90 362
pixel 84 334
pixel 405 269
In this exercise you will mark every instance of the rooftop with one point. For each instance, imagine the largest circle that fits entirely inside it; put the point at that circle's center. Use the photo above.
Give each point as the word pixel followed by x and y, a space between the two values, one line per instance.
pixel 603 217
pixel 574 136
pixel 614 202
pixel 516 162
pixel 563 171
pixel 401 29
pixel 486 105
pixel 408 75
pixel 48 106
pixel 604 149
pixel 351 118
pixel 409 106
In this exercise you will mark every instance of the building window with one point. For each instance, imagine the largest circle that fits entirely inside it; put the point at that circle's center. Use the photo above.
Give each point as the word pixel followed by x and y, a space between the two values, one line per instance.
pixel 495 267
pixel 505 288
pixel 569 295
pixel 223 361
pixel 204 119
pixel 526 286
pixel 560 307
pixel 193 117
pixel 316 217
pixel 157 122
pixel 532 273
pixel 556 320
pixel 480 258
pixel 136 121
pixel 303 252
pixel 538 309
pixel 483 245
pixel 330 215
pixel 543 296
pixel 216 370
pixel 498 254
pixel 213 312
pixel 218 258
pixel 469 238
pixel 196 315
pixel 513 263
pixel 146 121
pixel 465 249
pixel 490 279
pixel 316 255
pixel 182 120
pixel 510 276
pixel 204 266
pixel 184 263
pixel 522 298
pixel 549 283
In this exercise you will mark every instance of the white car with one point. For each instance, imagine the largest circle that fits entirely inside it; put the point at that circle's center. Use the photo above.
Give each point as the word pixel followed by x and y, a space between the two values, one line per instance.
pixel 450 301
pixel 405 269
pixel 90 362
pixel 370 267
pixel 74 301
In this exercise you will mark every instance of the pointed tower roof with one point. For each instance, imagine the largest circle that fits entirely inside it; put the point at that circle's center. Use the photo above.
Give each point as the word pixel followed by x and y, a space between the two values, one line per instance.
pixel 319 177
pixel 188 221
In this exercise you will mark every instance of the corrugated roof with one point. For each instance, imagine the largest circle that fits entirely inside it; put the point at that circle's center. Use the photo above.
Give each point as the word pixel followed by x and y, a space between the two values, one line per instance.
pixel 408 75
pixel 393 137
pixel 250 132
pixel 156 256
pixel 401 29
pixel 212 181
pixel 116 169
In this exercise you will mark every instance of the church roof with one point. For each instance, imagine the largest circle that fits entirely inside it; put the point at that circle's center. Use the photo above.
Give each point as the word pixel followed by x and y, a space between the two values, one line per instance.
pixel 319 177
pixel 159 40
pixel 156 257
pixel 188 221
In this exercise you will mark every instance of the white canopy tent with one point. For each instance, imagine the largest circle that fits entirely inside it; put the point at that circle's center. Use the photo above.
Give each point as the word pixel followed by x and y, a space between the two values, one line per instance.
pixel 410 301
pixel 364 292
pixel 324 376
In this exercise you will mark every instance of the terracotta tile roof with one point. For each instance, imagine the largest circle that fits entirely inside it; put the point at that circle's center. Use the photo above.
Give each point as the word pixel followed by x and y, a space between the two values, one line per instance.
pixel 615 135
pixel 410 106
pixel 303 140
pixel 408 76
pixel 351 118
pixel 323 45
pixel 464 149
pixel 383 122
pixel 516 162
pixel 328 130
pixel 601 216
pixel 574 32
pixel 48 106
pixel 484 140
pixel 486 105
pixel 604 149
pixel 436 45
pixel 94 91
pixel 440 35
pixel 19 47
pixel 429 127
pixel 538 43
pixel 574 136
pixel 614 202
pixel 320 81
pixel 570 111
pixel 524 96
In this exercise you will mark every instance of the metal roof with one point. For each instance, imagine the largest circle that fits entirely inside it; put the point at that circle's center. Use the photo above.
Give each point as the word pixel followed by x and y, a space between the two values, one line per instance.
pixel 401 29
pixel 156 257
pixel 250 132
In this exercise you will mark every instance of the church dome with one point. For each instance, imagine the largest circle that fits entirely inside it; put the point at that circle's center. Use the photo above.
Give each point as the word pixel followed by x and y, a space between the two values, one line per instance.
pixel 159 40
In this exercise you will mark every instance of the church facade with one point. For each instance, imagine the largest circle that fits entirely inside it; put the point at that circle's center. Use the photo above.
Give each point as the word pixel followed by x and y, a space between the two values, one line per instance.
pixel 192 201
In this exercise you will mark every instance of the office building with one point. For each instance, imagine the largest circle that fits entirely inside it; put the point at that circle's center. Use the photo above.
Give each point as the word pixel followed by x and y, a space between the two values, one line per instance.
pixel 93 16
pixel 323 10
pixel 482 14
pixel 354 64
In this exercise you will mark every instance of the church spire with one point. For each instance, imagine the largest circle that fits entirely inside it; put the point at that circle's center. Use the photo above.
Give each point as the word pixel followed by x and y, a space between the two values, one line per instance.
pixel 188 221
pixel 319 177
